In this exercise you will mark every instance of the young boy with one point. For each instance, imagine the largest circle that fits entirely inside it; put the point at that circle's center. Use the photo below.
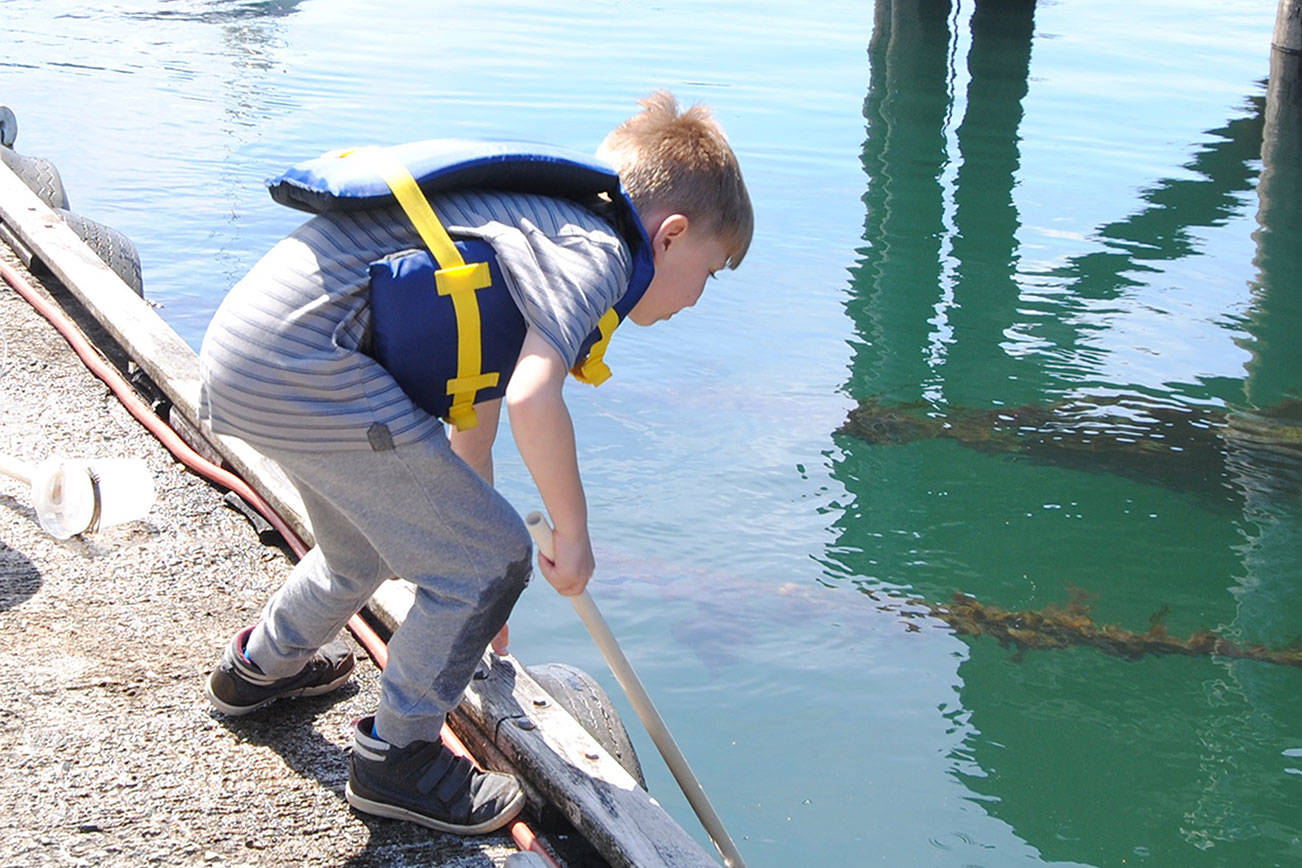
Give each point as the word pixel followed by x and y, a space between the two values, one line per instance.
pixel 290 364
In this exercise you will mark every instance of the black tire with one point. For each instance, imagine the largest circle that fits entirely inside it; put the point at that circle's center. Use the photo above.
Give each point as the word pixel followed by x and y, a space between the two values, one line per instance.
pixel 39 174
pixel 579 693
pixel 8 127
pixel 110 245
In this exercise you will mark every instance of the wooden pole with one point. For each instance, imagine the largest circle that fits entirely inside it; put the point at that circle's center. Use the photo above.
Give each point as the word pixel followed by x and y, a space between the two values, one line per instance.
pixel 1283 113
pixel 642 704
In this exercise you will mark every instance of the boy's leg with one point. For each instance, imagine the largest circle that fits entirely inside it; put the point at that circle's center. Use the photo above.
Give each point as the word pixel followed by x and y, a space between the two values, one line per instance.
pixel 438 524
pixel 432 520
pixel 326 588
pixel 289 652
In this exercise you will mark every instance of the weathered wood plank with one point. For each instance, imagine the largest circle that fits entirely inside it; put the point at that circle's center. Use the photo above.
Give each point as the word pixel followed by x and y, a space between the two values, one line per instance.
pixel 589 786
pixel 139 330
pixel 552 751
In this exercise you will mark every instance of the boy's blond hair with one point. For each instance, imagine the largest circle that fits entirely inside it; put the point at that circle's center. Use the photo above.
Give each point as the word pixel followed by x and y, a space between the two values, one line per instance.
pixel 680 163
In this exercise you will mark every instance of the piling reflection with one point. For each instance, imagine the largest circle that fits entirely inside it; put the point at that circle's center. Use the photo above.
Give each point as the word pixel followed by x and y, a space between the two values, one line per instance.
pixel 1206 450
pixel 986 295
pixel 1277 300
pixel 1174 501
pixel 1272 534
pixel 1223 170
pixel 933 303
pixel 1071 626
pixel 219 11
pixel 904 155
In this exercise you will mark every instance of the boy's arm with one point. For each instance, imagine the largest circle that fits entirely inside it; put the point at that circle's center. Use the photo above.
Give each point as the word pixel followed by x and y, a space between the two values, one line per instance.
pixel 544 434
pixel 475 447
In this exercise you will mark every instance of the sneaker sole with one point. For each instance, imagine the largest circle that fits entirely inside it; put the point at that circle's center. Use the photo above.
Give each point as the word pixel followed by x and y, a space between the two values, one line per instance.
pixel 240 710
pixel 395 812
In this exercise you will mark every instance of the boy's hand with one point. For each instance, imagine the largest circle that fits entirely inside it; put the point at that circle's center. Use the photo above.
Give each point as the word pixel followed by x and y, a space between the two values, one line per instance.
pixel 573 566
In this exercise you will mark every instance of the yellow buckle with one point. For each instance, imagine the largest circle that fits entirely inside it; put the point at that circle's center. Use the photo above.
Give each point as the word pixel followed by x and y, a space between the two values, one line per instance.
pixel 593 370
pixel 463 278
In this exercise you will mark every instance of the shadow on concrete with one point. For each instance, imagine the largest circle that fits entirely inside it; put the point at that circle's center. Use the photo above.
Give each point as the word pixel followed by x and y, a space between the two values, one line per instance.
pixel 291 729
pixel 19 577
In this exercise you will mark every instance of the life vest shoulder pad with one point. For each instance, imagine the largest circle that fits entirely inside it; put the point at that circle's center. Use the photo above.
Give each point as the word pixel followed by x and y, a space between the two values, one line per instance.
pixel 332 182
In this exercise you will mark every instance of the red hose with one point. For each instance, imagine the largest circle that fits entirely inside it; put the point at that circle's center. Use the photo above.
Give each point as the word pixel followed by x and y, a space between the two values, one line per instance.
pixel 131 400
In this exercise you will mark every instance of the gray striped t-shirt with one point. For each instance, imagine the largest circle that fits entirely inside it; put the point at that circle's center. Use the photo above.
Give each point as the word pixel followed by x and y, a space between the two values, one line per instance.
pixel 282 364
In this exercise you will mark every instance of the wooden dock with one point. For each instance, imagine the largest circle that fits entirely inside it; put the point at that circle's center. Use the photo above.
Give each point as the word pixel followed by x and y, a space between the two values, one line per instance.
pixel 505 716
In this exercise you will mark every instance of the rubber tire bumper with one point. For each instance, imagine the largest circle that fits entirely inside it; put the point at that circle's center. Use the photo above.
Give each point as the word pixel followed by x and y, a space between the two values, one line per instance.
pixel 38 174
pixel 8 127
pixel 579 693
pixel 115 249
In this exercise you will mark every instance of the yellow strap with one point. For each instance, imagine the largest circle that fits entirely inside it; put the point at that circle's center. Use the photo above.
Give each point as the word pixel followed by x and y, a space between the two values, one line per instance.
pixel 460 283
pixel 413 201
pixel 593 370
pixel 453 278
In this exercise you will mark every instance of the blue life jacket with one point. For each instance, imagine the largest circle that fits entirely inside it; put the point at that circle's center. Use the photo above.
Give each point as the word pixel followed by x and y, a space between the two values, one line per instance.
pixel 442 320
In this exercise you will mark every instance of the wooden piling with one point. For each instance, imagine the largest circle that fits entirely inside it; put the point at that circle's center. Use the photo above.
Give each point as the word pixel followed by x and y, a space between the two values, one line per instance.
pixel 1279 213
pixel 1288 26
pixel 1283 116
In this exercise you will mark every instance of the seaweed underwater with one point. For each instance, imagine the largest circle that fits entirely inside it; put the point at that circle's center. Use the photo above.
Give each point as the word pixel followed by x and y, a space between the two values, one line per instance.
pixel 1056 627
pixel 1071 626
pixel 1183 448
pixel 1202 450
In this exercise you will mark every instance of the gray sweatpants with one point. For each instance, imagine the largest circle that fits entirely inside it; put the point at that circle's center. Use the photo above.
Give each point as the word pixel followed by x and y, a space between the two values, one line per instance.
pixel 418 512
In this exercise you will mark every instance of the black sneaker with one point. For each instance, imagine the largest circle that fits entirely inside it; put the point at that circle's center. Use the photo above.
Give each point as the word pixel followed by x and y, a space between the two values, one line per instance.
pixel 238 687
pixel 428 784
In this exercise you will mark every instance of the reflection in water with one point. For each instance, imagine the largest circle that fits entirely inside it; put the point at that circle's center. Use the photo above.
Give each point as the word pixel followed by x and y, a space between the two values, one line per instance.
pixel 1277 302
pixel 1132 252
pixel 986 293
pixel 253 46
pixel 904 156
pixel 1088 758
pixel 1200 449
pixel 937 320
pixel 1272 535
pixel 1225 169
pixel 218 11
pixel 1057 627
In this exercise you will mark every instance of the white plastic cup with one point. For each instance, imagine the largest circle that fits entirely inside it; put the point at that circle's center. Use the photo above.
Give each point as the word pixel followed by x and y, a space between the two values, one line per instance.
pixel 126 489
pixel 64 496
pixel 73 496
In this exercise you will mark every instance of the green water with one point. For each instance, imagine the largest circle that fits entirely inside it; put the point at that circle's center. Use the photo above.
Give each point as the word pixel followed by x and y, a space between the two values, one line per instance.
pixel 1019 322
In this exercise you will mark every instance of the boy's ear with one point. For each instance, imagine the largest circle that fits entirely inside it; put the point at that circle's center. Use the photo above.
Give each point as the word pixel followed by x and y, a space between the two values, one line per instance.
pixel 670 230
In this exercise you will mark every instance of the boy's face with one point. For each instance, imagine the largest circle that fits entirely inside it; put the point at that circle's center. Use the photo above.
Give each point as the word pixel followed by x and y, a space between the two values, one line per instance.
pixel 684 260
